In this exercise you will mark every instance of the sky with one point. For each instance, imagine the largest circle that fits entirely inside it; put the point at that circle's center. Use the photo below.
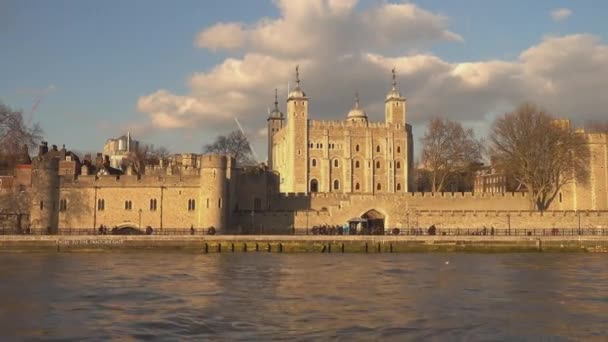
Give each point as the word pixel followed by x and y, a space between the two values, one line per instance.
pixel 178 73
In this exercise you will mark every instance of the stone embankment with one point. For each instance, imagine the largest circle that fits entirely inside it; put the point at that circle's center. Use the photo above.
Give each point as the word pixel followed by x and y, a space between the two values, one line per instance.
pixel 309 243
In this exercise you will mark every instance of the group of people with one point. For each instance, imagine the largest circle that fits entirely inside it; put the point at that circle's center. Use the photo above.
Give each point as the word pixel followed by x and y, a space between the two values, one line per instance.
pixel 347 230
pixel 103 230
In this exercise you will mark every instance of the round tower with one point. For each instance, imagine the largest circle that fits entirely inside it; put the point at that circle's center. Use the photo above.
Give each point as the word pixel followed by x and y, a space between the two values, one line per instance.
pixel 214 192
pixel 44 212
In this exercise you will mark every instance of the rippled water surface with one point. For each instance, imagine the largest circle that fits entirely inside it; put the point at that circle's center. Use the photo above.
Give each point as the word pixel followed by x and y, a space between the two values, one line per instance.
pixel 130 296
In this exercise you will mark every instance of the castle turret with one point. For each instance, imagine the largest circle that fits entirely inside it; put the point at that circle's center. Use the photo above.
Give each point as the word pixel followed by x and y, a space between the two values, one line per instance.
pixel 296 175
pixel 275 123
pixel 395 106
pixel 356 114
pixel 214 192
pixel 44 212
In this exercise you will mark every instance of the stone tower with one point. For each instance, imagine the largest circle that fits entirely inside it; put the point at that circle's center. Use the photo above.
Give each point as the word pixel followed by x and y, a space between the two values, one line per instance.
pixel 395 106
pixel 44 213
pixel 275 123
pixel 214 199
pixel 296 177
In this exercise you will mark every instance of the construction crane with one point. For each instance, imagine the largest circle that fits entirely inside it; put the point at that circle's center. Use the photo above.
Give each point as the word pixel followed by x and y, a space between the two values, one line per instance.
pixel 40 96
pixel 255 155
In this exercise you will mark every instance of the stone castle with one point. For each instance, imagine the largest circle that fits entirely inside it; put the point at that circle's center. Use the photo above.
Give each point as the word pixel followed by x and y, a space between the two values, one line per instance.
pixel 318 173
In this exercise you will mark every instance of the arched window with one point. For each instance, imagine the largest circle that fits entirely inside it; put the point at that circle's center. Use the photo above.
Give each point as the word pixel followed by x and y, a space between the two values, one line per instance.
pixel 398 164
pixel 398 149
pixel 357 164
pixel 336 185
pixel 378 148
pixel 378 186
pixel 101 204
pixel 357 148
pixel 128 205
pixel 398 186
pixel 336 163
pixel 377 164
pixel 314 185
pixel 63 204
pixel 313 163
pixel 357 186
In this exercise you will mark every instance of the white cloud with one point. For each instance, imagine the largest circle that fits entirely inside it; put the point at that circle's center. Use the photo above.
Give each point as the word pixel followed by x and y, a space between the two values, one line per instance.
pixel 567 75
pixel 561 14
pixel 222 36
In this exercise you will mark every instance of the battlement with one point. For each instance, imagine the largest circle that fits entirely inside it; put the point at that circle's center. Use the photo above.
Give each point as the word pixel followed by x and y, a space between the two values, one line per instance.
pixel 293 195
pixel 47 163
pixel 130 181
pixel 218 161
pixel 597 138
pixel 345 123
pixel 447 195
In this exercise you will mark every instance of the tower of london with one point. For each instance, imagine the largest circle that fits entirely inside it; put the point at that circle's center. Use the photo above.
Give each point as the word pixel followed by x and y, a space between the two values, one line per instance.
pixel 347 156
pixel 318 173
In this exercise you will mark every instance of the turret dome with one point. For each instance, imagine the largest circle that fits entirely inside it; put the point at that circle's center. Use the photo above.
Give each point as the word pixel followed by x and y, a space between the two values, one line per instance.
pixel 356 114
pixel 297 92
pixel 276 114
pixel 394 94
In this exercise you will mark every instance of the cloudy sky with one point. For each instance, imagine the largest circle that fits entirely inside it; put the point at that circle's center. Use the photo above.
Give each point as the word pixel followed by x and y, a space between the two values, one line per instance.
pixel 177 73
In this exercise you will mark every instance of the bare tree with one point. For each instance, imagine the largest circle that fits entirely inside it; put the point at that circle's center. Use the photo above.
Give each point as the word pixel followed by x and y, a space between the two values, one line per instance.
pixel 15 133
pixel 448 149
pixel 541 153
pixel 235 145
pixel 146 155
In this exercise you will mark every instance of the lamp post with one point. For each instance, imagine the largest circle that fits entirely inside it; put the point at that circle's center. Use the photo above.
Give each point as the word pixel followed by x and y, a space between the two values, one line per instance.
pixel 307 210
pixel 509 222
pixel 140 218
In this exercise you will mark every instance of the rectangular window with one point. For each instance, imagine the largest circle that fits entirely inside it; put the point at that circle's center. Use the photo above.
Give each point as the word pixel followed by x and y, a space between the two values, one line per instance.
pixel 128 205
pixel 63 204
pixel 101 204
pixel 153 204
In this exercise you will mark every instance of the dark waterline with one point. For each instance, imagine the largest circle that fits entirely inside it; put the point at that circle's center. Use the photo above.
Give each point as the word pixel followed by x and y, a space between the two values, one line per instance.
pixel 303 297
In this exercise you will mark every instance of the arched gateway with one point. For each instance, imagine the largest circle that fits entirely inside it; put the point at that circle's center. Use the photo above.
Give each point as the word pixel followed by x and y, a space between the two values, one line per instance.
pixel 375 220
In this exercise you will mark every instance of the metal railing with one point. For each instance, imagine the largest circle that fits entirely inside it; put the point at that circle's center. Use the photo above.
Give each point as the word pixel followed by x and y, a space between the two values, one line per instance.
pixel 321 231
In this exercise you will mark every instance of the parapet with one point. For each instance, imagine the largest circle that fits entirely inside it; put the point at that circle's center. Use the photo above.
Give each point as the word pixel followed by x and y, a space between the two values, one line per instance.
pixel 218 161
pixel 48 163
pixel 347 124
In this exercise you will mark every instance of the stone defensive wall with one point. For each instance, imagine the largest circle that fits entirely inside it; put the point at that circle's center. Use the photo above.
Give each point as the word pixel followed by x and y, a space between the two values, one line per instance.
pixel 294 244
pixel 129 181
pixel 303 220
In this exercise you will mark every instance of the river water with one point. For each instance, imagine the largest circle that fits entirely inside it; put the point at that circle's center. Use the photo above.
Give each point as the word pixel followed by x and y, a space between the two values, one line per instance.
pixel 246 296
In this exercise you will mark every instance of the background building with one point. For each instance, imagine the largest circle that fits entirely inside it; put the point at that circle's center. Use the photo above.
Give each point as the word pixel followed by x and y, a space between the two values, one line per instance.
pixel 120 148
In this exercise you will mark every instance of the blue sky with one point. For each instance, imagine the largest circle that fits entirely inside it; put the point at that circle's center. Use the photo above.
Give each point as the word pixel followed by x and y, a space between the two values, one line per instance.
pixel 96 59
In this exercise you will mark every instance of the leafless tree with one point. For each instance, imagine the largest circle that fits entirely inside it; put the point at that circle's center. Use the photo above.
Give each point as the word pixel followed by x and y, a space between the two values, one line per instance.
pixel 15 133
pixel 448 149
pixel 234 144
pixel 541 153
pixel 146 155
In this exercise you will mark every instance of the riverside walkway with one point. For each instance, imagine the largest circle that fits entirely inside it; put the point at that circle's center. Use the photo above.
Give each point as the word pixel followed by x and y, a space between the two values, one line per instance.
pixel 303 243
